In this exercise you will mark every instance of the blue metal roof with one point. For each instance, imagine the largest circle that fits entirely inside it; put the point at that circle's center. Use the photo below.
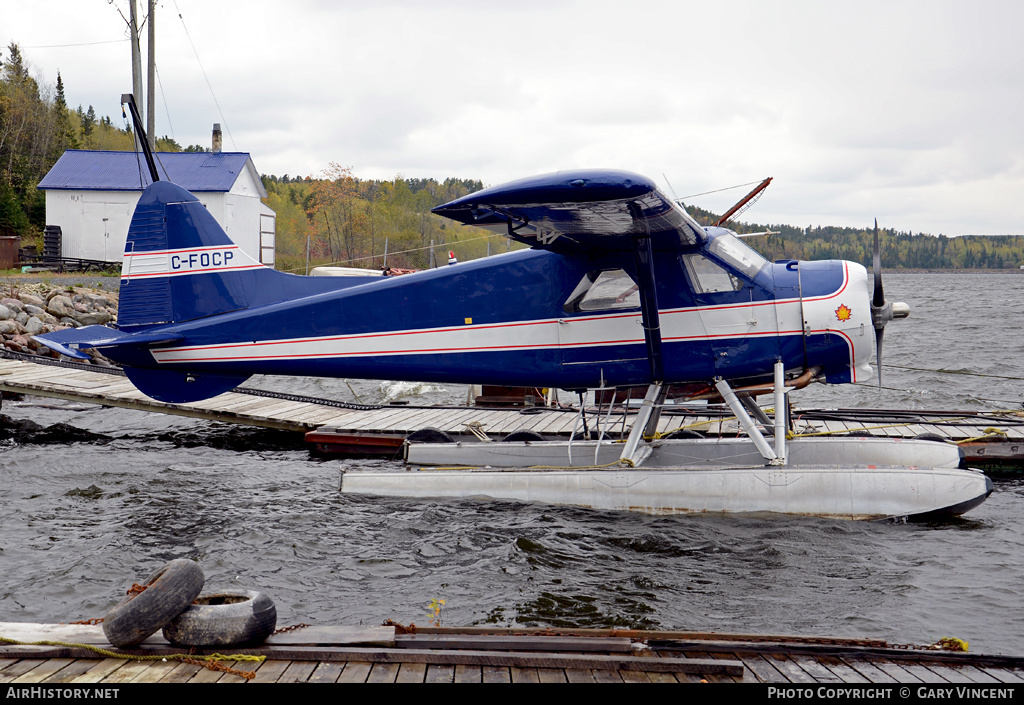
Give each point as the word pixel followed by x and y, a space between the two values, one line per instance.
pixel 126 171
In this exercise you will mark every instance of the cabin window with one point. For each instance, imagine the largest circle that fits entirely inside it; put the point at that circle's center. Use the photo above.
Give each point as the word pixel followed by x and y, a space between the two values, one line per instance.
pixel 606 290
pixel 708 277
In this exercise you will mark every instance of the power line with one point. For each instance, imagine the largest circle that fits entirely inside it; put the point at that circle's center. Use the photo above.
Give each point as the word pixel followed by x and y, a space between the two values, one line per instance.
pixel 718 190
pixel 207 78
pixel 82 44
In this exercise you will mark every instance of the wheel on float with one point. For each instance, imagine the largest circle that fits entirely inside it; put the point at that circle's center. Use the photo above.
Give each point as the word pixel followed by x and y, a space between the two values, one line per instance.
pixel 168 592
pixel 429 435
pixel 521 436
pixel 224 619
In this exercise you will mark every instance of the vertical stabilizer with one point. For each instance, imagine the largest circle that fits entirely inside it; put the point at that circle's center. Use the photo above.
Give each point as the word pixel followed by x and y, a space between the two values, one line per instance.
pixel 179 264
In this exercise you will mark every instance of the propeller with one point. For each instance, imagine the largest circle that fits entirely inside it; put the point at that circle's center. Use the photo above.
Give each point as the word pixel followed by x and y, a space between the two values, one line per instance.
pixel 881 310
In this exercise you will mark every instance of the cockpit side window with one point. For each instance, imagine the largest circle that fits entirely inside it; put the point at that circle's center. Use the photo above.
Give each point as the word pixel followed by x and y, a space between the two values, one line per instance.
pixel 607 290
pixel 708 277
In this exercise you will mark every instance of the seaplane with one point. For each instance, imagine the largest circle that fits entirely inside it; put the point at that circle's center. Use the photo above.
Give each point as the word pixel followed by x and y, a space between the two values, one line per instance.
pixel 619 287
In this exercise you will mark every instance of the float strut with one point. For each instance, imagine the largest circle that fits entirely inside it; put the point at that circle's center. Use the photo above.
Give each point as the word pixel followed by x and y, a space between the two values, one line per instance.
pixel 780 413
pixel 746 423
pixel 640 423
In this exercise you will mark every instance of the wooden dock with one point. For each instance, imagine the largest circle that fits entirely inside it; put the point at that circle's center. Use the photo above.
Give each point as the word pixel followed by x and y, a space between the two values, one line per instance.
pixel 323 654
pixel 995 438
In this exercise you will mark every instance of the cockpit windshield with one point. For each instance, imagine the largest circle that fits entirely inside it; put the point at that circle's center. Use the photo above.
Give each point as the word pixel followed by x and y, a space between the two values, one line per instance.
pixel 728 248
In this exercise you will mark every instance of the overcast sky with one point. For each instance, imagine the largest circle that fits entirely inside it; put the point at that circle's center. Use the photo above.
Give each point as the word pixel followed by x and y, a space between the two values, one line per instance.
pixel 910 112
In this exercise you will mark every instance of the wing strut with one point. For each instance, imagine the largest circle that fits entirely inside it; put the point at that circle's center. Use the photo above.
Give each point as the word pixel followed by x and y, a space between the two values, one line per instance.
pixel 644 255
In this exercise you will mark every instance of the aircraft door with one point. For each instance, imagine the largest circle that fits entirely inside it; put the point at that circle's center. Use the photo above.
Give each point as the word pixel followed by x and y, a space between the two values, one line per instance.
pixel 789 311
pixel 741 325
pixel 602 334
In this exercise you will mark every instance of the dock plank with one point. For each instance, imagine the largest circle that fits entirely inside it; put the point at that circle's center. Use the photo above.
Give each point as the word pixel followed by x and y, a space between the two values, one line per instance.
pixel 412 673
pixel 326 672
pixel 355 672
pixel 497 674
pixel 44 670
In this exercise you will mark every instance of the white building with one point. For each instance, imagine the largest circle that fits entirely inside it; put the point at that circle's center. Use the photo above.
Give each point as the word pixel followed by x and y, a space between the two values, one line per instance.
pixel 92 195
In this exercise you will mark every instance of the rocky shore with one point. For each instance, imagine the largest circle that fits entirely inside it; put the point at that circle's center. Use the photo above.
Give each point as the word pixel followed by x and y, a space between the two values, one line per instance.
pixel 33 309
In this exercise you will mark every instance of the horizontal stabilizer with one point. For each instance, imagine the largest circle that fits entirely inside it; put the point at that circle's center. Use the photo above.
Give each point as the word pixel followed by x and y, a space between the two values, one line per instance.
pixel 70 340
pixel 179 386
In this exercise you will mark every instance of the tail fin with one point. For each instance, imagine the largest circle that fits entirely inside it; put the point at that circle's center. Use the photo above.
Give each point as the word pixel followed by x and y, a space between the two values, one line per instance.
pixel 179 264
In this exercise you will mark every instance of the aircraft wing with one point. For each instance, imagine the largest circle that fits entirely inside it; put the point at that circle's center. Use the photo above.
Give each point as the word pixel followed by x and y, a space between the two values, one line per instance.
pixel 572 210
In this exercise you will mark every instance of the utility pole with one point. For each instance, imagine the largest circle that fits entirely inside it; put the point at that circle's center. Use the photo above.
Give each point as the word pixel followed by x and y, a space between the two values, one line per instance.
pixel 133 29
pixel 151 78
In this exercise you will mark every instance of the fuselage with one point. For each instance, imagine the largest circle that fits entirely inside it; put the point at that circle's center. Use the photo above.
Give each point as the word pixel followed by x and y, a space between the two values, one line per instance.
pixel 535 317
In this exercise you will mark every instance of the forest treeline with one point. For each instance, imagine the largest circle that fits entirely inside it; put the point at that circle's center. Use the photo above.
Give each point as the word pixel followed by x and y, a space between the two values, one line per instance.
pixel 337 218
pixel 899 250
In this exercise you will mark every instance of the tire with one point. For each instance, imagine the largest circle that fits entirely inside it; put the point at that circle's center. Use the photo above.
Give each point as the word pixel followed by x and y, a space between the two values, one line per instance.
pixel 930 437
pixel 429 435
pixel 520 436
pixel 232 617
pixel 168 591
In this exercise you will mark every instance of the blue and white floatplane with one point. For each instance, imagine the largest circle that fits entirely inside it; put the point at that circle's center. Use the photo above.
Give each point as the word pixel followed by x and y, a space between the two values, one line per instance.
pixel 619 287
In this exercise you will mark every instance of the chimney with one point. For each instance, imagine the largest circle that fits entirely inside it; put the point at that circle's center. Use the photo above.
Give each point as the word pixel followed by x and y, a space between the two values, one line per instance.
pixel 216 138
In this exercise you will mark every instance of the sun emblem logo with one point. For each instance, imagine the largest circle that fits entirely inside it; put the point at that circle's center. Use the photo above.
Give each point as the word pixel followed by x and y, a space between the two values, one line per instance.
pixel 843 313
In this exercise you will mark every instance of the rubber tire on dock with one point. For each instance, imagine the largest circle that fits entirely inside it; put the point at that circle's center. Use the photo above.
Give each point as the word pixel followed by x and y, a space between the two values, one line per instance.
pixel 231 617
pixel 930 437
pixel 523 435
pixel 429 435
pixel 168 591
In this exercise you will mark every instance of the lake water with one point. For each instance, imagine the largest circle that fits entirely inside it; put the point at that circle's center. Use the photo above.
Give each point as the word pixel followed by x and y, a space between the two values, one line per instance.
pixel 79 522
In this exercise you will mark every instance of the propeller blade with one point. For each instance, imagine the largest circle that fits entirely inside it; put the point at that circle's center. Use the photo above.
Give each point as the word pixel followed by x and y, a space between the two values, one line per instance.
pixel 878 354
pixel 879 299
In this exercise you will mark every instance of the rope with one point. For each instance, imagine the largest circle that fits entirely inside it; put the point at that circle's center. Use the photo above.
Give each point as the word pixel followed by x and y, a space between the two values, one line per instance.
pixel 989 433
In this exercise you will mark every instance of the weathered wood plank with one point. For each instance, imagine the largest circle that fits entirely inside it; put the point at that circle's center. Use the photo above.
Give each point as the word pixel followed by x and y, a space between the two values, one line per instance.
pixel 551 675
pixel 355 672
pixel 524 675
pixel 440 674
pixel 634 677
pixel 270 671
pixel 20 667
pixel 156 671
pixel 841 670
pixel 44 670
pixel 297 672
pixel 412 673
pixel 868 670
pixel 763 670
pixel 326 672
pixel 468 674
pixel 580 675
pixel 383 673
pixel 901 674
pixel 790 668
pixel 497 674
pixel 182 673
pixel 127 673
